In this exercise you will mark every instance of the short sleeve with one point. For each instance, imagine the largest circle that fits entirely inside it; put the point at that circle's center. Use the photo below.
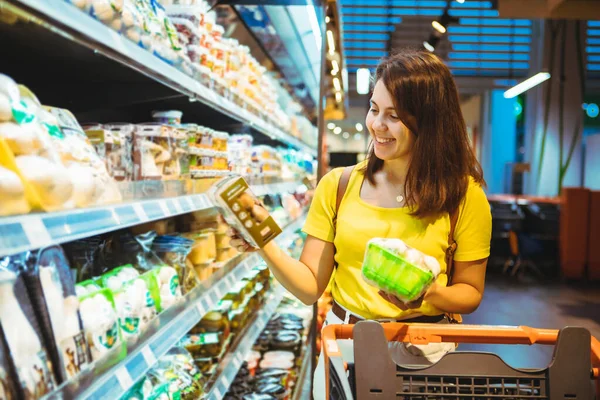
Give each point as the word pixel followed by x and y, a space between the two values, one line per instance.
pixel 319 221
pixel 474 227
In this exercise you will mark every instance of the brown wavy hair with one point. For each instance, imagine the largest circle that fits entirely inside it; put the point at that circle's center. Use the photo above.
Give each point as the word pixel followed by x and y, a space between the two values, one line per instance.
pixel 442 159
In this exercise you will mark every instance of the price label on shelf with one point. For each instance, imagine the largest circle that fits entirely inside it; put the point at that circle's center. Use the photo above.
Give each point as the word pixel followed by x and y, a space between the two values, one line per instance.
pixel 231 280
pixel 217 292
pixel 163 206
pixel 36 232
pixel 217 392
pixel 178 208
pixel 124 378
pixel 201 308
pixel 139 212
pixel 148 355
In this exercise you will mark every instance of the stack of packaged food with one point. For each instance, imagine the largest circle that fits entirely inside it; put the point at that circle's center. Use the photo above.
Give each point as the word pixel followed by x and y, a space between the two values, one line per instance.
pixel 46 161
pixel 190 367
pixel 266 161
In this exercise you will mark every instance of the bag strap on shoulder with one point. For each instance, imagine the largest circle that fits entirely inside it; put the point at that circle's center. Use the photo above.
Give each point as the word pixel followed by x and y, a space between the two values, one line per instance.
pixel 452 245
pixel 342 186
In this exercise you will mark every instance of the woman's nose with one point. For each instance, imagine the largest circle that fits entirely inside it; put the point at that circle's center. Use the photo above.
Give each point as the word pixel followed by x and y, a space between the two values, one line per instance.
pixel 378 124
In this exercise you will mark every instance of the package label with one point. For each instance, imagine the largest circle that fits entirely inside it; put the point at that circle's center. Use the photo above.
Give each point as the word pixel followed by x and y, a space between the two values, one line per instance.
pixel 74 354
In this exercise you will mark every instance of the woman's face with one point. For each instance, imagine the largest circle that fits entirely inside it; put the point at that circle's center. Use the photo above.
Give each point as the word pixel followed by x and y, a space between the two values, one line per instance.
pixel 391 138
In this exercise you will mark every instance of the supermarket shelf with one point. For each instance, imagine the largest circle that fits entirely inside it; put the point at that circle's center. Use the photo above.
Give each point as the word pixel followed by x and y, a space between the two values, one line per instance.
pixel 233 361
pixel 34 231
pixel 162 334
pixel 304 374
pixel 73 24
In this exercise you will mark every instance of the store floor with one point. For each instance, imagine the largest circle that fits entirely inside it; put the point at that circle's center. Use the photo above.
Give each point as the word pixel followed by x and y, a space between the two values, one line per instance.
pixel 539 305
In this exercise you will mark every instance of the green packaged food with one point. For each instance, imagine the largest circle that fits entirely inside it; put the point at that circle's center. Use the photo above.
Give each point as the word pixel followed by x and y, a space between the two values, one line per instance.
pixel 398 269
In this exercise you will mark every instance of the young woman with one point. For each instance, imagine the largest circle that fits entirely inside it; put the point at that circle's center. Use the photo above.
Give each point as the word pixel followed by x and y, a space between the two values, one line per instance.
pixel 419 171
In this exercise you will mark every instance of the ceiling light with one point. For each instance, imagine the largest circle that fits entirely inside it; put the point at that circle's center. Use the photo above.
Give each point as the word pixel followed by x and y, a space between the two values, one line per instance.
pixel 330 125
pixel 357 136
pixel 336 67
pixel 338 97
pixel 526 85
pixel 438 27
pixel 359 127
pixel 460 1
pixel 428 46
pixel 330 42
pixel 345 135
pixel 363 76
pixel 337 130
pixel 327 19
pixel 336 84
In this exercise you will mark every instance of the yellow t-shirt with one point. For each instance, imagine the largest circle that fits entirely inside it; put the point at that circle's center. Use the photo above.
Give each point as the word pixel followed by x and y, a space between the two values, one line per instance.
pixel 358 222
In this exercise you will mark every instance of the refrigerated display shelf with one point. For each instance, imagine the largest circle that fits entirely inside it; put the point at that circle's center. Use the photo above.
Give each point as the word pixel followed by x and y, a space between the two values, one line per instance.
pixel 34 231
pixel 73 24
pixel 234 360
pixel 304 374
pixel 164 332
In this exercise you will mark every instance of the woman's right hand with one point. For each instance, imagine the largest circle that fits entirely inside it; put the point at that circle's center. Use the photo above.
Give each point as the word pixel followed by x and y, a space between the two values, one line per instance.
pixel 238 242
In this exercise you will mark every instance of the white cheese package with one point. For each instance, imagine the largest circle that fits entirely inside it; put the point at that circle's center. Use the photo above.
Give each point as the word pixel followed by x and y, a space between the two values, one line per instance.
pixel 102 327
pixel 134 297
pixel 52 291
pixel 22 333
pixel 242 210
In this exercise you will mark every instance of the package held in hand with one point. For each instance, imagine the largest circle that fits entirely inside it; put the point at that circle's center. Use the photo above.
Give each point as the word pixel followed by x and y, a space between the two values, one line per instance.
pixel 242 210
pixel 398 269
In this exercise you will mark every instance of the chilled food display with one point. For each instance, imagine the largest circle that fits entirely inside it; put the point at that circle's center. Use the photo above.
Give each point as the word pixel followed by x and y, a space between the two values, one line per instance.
pixel 398 269
pixel 46 161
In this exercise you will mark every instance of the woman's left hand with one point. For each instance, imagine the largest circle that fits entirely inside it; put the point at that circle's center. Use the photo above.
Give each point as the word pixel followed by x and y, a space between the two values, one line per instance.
pixel 410 305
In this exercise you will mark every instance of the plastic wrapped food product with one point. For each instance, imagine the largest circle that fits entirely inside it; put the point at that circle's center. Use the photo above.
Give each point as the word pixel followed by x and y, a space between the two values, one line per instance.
pixel 92 184
pixel 101 324
pixel 135 305
pixel 173 250
pixel 53 294
pixel 153 153
pixel 203 250
pixel 172 117
pixel 22 333
pixel 168 285
pixel 22 139
pixel 119 152
pixel 87 287
pixel 242 210
pixel 398 269
pixel 12 192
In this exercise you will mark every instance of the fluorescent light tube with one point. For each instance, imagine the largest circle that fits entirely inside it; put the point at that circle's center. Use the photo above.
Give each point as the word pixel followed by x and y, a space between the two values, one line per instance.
pixel 526 85
pixel 428 46
pixel 438 27
pixel 338 98
pixel 331 42
pixel 336 84
pixel 363 76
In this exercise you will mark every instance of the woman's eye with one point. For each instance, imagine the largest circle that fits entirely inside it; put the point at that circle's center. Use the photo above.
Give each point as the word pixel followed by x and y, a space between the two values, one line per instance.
pixel 373 110
pixel 393 117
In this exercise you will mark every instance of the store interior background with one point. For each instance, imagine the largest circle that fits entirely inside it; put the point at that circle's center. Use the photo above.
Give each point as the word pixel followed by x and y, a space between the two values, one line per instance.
pixel 549 232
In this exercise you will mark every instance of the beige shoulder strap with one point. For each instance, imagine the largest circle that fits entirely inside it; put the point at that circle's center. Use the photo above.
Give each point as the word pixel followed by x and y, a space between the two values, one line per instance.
pixel 342 186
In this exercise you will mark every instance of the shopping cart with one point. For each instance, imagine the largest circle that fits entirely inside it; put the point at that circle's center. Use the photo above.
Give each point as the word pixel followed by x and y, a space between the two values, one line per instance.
pixel 461 374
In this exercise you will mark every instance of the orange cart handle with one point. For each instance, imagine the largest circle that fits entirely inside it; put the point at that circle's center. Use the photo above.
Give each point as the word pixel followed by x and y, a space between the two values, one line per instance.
pixel 457 333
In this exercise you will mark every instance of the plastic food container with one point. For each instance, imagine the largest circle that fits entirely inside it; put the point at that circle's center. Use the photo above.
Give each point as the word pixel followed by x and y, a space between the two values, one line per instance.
pixel 398 269
pixel 172 117
pixel 203 250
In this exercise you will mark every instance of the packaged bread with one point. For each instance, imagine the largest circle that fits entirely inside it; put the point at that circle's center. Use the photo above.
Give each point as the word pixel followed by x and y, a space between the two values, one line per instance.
pixel 12 192
pixel 398 269
pixel 242 210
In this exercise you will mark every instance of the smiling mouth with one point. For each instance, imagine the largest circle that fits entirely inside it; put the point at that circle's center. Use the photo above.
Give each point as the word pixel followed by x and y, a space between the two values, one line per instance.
pixel 384 140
